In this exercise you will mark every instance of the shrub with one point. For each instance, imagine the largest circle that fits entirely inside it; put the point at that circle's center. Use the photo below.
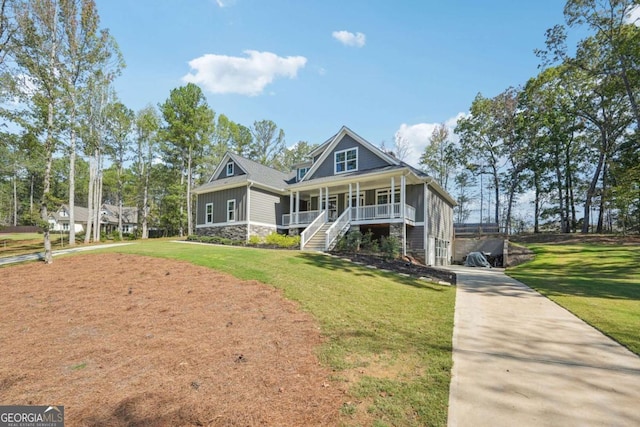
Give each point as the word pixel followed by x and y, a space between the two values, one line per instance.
pixel 369 243
pixel 350 242
pixel 390 247
pixel 254 240
pixel 282 240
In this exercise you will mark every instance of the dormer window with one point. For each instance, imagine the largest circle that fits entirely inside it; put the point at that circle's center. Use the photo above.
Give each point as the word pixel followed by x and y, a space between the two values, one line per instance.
pixel 230 169
pixel 301 173
pixel 346 160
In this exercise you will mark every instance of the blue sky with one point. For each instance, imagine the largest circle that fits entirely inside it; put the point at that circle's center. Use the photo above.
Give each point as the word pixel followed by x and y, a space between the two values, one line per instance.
pixel 378 67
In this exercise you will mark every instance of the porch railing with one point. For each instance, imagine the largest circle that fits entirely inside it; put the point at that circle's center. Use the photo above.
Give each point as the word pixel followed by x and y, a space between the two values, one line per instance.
pixel 316 225
pixel 304 217
pixel 385 211
pixel 337 229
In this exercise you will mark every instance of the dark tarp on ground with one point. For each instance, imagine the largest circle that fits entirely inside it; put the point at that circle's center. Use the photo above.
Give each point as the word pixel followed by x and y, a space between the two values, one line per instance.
pixel 476 259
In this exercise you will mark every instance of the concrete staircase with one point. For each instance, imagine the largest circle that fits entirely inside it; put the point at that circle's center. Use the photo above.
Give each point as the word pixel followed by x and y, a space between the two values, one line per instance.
pixel 318 241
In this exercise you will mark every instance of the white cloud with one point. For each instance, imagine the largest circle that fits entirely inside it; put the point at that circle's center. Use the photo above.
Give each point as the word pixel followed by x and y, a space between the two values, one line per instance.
pixel 242 75
pixel 224 3
pixel 350 39
pixel 634 16
pixel 418 136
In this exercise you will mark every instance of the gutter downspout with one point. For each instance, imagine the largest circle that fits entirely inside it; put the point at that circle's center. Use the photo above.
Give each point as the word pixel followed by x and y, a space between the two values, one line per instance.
pixel 249 210
pixel 427 215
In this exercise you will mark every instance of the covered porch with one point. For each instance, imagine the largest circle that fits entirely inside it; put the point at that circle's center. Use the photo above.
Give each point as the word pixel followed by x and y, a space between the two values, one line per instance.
pixel 381 201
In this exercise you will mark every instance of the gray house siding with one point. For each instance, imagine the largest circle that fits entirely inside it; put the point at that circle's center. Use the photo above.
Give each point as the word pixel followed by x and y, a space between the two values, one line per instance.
pixel 262 207
pixel 415 238
pixel 415 198
pixel 440 218
pixel 219 200
pixel 237 171
pixel 366 159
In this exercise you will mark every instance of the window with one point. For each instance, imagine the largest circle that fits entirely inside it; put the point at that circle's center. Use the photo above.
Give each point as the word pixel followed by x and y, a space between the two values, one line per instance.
pixel 65 226
pixel 383 196
pixel 230 169
pixel 442 251
pixel 301 173
pixel 64 213
pixel 126 228
pixel 231 210
pixel 208 213
pixel 346 160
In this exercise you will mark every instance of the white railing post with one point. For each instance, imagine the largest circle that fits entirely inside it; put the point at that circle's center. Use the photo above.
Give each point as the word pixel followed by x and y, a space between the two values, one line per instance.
pixel 308 232
pixel 338 228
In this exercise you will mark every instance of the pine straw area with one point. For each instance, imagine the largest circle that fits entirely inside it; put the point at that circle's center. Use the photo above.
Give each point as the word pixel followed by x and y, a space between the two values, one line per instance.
pixel 125 340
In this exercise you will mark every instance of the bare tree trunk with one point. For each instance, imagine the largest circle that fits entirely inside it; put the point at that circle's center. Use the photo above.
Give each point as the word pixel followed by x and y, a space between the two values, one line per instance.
pixel 98 197
pixel 591 191
pixel 44 215
pixel 31 199
pixel 15 199
pixel 72 182
pixel 145 201
pixel 189 201
pixel 92 177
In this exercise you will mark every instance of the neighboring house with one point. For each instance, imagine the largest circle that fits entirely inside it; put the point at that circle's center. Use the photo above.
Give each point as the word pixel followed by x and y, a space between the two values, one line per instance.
pixel 59 219
pixel 348 184
pixel 109 218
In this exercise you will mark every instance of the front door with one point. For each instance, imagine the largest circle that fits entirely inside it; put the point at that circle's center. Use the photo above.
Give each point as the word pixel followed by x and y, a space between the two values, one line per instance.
pixel 332 209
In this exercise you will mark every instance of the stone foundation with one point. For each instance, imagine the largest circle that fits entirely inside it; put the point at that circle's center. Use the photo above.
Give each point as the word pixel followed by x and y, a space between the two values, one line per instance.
pixel 261 230
pixel 233 232
pixel 395 230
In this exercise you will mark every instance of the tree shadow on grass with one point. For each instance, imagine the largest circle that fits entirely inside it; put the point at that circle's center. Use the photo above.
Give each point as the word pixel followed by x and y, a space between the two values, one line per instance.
pixel 338 264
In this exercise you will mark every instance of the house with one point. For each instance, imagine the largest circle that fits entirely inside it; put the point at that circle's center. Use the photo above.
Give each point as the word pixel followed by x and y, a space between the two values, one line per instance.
pixel 59 220
pixel 347 184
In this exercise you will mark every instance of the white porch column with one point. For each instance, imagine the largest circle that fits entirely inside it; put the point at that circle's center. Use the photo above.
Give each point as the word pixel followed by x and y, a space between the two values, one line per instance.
pixel 392 197
pixel 357 201
pixel 326 195
pixel 290 207
pixel 297 206
pixel 403 197
pixel 320 201
pixel 350 197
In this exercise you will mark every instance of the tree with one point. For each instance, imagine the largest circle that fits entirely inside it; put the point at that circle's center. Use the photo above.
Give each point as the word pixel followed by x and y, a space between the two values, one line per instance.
pixel 119 127
pixel 296 154
pixel 463 181
pixel 147 125
pixel 480 142
pixel 439 158
pixel 84 50
pixel 7 27
pixel 187 131
pixel 36 53
pixel 617 39
pixel 268 142
pixel 402 146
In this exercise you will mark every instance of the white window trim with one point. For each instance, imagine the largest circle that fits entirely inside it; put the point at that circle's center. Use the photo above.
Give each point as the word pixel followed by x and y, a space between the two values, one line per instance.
pixel 387 192
pixel 231 209
pixel 354 196
pixel 232 169
pixel 206 213
pixel 300 176
pixel 335 161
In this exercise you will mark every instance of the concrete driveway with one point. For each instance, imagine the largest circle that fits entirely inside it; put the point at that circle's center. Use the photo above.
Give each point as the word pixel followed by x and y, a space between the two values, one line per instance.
pixel 521 360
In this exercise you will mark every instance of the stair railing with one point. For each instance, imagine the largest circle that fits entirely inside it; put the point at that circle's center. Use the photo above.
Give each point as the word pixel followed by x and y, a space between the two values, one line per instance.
pixel 337 229
pixel 312 229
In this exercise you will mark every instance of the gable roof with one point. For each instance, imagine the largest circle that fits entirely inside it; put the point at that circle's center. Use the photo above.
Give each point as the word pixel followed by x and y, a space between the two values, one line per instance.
pixel 327 147
pixel 254 172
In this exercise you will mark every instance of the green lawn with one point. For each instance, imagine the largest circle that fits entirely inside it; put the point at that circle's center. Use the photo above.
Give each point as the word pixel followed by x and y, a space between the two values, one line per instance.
pixel 598 283
pixel 12 244
pixel 388 337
